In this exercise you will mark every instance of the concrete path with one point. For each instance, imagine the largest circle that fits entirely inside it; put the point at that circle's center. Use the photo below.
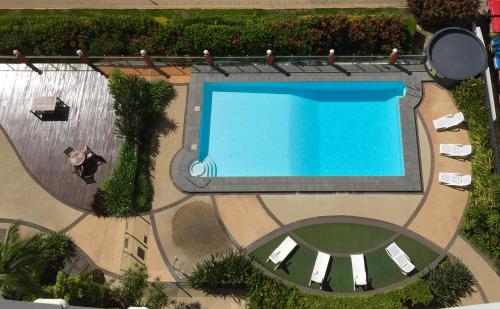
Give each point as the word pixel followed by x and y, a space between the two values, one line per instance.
pixel 441 213
pixel 483 272
pixel 186 4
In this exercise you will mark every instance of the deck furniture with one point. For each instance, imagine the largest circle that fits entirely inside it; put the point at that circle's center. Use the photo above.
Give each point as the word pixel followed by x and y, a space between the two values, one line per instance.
pixel 319 270
pixel 448 121
pixel 57 302
pixel 282 251
pixel 77 158
pixel 68 151
pixel 44 105
pixel 358 270
pixel 455 180
pixel 88 152
pixel 455 150
pixel 400 258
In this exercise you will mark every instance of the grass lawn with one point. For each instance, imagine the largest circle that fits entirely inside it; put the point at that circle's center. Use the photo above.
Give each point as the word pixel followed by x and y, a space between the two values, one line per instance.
pixel 201 14
pixel 381 270
pixel 353 237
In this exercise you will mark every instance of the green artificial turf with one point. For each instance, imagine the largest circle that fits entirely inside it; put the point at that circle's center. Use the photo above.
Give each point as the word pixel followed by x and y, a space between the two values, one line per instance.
pixel 381 270
pixel 343 237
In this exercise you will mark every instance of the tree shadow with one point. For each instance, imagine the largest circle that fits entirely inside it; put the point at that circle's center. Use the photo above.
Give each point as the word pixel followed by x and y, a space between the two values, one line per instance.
pixel 165 127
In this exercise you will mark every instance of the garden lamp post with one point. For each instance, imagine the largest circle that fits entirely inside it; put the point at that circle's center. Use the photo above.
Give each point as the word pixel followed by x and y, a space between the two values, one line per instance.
pixel 393 57
pixel 87 61
pixel 22 59
pixel 146 58
pixel 208 58
pixel 331 57
pixel 269 57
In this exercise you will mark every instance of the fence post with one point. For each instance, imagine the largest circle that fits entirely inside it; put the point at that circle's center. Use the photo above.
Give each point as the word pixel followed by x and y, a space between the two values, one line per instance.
pixel 269 57
pixel 331 57
pixel 393 57
pixel 208 58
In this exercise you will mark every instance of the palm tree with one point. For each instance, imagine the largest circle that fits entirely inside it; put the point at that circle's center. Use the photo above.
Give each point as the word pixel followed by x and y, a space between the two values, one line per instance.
pixel 24 262
pixel 20 265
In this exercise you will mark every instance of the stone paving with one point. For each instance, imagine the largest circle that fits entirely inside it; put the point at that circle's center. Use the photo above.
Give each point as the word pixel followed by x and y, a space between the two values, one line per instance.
pixel 191 227
pixel 205 4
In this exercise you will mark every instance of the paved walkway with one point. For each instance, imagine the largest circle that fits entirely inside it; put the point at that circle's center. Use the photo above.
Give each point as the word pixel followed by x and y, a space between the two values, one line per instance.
pixel 187 4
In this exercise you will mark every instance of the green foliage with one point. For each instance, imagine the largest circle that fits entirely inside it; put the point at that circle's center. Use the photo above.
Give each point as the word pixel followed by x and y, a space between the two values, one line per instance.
pixel 435 14
pixel 138 106
pixel 156 296
pixel 134 284
pixel 229 270
pixel 450 281
pixel 23 261
pixel 230 35
pixel 264 292
pixel 80 290
pixel 482 216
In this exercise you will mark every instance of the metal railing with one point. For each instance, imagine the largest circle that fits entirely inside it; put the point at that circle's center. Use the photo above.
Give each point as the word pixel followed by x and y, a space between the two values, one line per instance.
pixel 182 62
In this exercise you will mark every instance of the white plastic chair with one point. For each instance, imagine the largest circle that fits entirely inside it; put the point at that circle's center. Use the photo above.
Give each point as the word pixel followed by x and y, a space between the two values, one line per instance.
pixel 320 267
pixel 448 121
pixel 282 251
pixel 455 180
pixel 455 150
pixel 400 258
pixel 358 270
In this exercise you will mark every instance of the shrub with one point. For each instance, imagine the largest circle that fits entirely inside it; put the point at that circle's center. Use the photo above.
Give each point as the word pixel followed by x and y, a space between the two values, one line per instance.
pixel 245 35
pixel 229 270
pixel 435 14
pixel 482 216
pixel 450 281
pixel 138 106
pixel 80 290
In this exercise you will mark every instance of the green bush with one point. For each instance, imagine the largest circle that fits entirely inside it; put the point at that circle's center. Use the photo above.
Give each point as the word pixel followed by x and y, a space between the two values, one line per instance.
pixel 80 290
pixel 138 106
pixel 450 281
pixel 435 14
pixel 245 35
pixel 229 270
pixel 482 216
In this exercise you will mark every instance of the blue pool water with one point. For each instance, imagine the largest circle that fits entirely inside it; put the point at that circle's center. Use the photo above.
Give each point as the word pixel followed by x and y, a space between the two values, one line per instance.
pixel 300 129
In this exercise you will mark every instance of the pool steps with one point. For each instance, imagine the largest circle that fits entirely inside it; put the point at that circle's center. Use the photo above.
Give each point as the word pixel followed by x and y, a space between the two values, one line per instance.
pixel 205 168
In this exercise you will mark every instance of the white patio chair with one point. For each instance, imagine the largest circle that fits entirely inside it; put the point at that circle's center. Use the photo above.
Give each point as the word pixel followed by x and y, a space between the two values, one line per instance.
pixel 448 121
pixel 455 180
pixel 358 270
pixel 319 270
pixel 57 302
pixel 282 251
pixel 400 258
pixel 455 150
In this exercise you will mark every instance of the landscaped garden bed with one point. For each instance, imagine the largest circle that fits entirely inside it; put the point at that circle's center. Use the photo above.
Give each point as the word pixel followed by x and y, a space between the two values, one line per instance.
pixel 233 35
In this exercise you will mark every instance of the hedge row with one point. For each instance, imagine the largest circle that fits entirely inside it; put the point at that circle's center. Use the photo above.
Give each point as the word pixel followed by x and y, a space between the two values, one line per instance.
pixel 482 216
pixel 127 35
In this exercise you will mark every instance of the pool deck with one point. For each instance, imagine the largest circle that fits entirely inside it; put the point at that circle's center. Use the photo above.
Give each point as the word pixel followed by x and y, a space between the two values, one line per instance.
pixel 410 182
pixel 236 220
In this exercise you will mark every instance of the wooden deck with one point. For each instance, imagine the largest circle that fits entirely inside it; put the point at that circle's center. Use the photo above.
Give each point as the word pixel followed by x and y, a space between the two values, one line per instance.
pixel 40 144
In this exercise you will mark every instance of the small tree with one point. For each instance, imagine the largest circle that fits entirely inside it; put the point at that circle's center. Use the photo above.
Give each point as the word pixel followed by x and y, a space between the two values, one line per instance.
pixel 435 14
pixel 450 281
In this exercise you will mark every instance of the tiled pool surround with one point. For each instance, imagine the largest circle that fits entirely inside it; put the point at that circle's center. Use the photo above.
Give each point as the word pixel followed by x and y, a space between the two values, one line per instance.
pixel 410 182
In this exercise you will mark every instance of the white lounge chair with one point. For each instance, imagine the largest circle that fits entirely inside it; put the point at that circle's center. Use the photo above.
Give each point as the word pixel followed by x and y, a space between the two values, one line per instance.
pixel 455 180
pixel 320 267
pixel 455 150
pixel 448 121
pixel 400 258
pixel 284 249
pixel 358 270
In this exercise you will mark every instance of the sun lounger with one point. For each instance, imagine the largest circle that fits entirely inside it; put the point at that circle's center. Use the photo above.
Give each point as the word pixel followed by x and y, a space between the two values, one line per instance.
pixel 448 121
pixel 400 258
pixel 284 249
pixel 455 150
pixel 320 266
pixel 455 180
pixel 358 270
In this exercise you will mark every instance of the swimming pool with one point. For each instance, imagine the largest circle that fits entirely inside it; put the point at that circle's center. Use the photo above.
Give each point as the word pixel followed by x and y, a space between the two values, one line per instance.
pixel 265 129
